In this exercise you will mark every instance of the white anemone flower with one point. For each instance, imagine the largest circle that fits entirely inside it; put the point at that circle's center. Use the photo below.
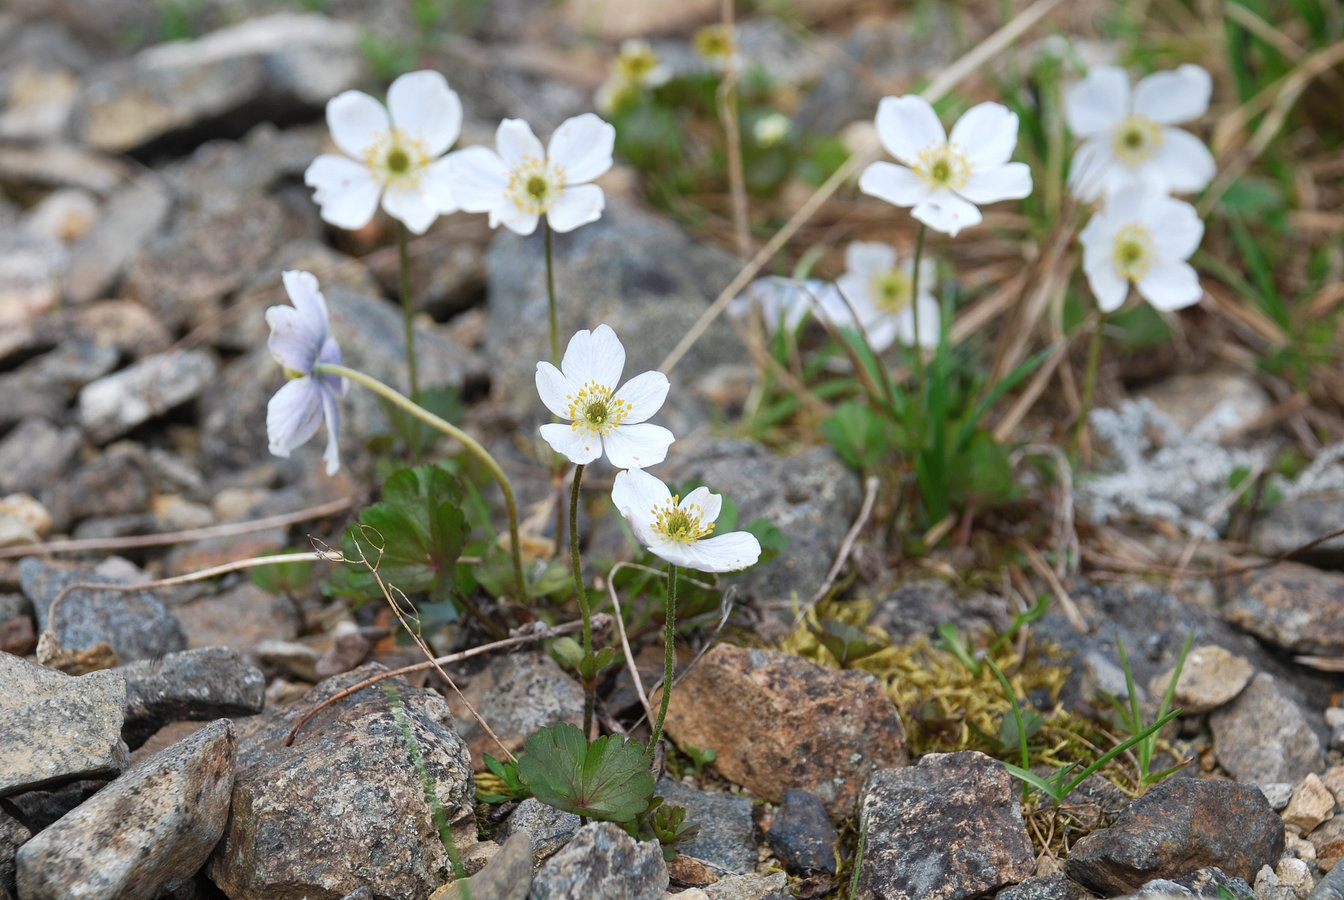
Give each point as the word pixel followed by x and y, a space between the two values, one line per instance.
pixel 1127 138
pixel 300 338
pixel 636 69
pixel 944 178
pixel 785 302
pixel 878 285
pixel 393 153
pixel 520 183
pixel 679 530
pixel 1144 237
pixel 601 417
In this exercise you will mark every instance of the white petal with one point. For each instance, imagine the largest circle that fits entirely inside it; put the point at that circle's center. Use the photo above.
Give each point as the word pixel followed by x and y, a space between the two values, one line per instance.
pixel 1171 285
pixel 907 126
pixel 636 446
pixel 645 393
pixel 868 258
pixel 303 292
pixel 1010 182
pixel 426 109
pixel 1176 96
pixel 512 217
pixel 858 307
pixel 332 416
pixel 1091 164
pixel 345 190
pixel 436 183
pixel 555 391
pixel 986 134
pixel 578 205
pixel 1185 164
pixel 709 503
pixel 595 356
pixel 582 146
pixel 882 329
pixel 357 121
pixel 579 446
pixel 292 344
pixel 293 415
pixel 725 553
pixel 1130 204
pixel 1175 226
pixel 516 143
pixel 1108 285
pixel 409 207
pixel 1099 102
pixel 895 184
pixel 637 494
pixel 929 323
pixel 946 212
pixel 479 179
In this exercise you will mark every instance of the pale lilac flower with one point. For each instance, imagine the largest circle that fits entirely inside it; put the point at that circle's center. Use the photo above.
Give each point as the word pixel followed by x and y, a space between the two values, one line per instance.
pixel 1127 138
pixel 393 153
pixel 679 530
pixel 300 338
pixel 601 418
pixel 1144 237
pixel 944 178
pixel 519 184
pixel 878 285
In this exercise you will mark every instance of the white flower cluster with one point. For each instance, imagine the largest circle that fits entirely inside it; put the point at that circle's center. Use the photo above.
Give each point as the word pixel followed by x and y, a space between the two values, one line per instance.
pixel 1131 160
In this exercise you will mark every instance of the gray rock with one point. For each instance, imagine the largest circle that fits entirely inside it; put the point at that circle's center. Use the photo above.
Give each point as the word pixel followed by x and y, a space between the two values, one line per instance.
pixel 240 617
pixel 802 834
pixel 30 270
pixel 343 806
pixel 1295 607
pixel 194 685
pixel 1180 825
pixel 550 828
pixel 917 608
pixel 950 827
pixel 1277 794
pixel 523 692
pixel 264 66
pixel 508 876
pixel 1038 887
pixel 1263 735
pixel 132 215
pixel 56 164
pixel 602 862
pixel 18 631
pixel 36 453
pixel 638 273
pixel 112 406
pixel 1218 404
pixel 56 728
pixel 811 497
pixel 44 387
pixel 727 837
pixel 13 835
pixel 127 327
pixel 135 623
pixel 111 484
pixel 1202 883
pixel 1293 522
pixel 750 887
pixel 146 833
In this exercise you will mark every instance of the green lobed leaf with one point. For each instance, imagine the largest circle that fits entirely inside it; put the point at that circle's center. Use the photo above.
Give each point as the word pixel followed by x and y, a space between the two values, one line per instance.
pixel 608 779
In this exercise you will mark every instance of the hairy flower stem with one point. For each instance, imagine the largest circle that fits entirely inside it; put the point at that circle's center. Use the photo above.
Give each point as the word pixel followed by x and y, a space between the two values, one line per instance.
pixel 669 658
pixel 589 684
pixel 448 428
pixel 1089 387
pixel 404 271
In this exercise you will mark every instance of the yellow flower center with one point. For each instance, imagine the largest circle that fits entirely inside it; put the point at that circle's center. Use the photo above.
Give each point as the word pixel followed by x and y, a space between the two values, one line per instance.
pixel 943 167
pixel 891 290
pixel 635 62
pixel 1132 251
pixel 595 410
pixel 534 185
pixel 681 525
pixel 1137 138
pixel 713 42
pixel 292 374
pixel 397 157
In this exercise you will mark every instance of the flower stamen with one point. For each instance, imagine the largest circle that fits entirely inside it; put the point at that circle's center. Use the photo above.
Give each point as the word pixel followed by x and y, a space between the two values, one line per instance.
pixel 683 525
pixel 534 185
pixel 1133 251
pixel 397 157
pixel 943 167
pixel 891 290
pixel 1136 139
pixel 595 410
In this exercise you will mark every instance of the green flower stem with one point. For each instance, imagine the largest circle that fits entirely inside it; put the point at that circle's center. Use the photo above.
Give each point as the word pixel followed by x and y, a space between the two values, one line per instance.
pixel 1089 385
pixel 914 308
pixel 404 267
pixel 550 298
pixel 448 428
pixel 669 658
pixel 589 685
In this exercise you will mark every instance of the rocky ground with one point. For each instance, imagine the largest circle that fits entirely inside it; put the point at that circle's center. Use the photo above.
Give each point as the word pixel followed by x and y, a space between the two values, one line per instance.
pixel 150 195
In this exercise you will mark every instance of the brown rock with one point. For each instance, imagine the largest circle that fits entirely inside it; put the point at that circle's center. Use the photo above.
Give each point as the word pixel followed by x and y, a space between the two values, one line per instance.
pixel 778 722
pixel 1328 840
pixel 1179 826
pixel 1311 804
pixel 1210 677
pixel 1295 607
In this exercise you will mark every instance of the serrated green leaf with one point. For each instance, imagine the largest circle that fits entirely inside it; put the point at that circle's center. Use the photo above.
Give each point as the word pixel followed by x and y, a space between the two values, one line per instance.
pixel 859 435
pixel 608 779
